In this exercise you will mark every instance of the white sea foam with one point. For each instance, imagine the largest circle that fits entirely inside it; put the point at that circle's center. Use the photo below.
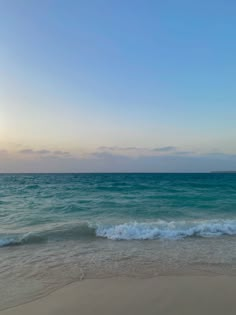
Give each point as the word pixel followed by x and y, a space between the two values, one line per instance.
pixel 127 231
pixel 166 230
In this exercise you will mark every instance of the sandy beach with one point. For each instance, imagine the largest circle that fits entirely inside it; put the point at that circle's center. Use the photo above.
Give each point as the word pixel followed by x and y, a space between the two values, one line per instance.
pixel 177 295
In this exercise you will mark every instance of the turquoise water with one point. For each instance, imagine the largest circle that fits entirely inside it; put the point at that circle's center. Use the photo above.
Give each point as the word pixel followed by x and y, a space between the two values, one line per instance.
pixel 58 228
pixel 46 207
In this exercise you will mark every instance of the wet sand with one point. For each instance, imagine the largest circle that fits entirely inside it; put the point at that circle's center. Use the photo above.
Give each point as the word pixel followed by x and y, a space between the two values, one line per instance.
pixel 167 295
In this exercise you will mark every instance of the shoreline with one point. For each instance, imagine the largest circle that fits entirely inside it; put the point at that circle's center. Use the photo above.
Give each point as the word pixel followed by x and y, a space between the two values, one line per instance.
pixel 177 295
pixel 24 299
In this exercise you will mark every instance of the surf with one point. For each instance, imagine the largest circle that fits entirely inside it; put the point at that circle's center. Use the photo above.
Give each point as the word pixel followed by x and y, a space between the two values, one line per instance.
pixel 172 230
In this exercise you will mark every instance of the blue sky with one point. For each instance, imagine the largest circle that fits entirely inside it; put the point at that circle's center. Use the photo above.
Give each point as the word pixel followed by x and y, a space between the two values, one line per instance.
pixel 109 85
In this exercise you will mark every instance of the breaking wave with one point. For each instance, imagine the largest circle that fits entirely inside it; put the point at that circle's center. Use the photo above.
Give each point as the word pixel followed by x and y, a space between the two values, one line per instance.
pixel 167 230
pixel 127 231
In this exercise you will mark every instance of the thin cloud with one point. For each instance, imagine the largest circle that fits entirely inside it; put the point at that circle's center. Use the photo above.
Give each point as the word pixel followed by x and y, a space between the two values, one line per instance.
pixel 63 153
pixel 184 152
pixel 44 152
pixel 112 162
pixel 117 148
pixel 142 151
pixel 102 155
pixel 31 151
pixel 27 151
pixel 166 149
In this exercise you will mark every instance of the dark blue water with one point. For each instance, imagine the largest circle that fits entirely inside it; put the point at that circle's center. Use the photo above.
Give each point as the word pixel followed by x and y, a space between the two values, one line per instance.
pixel 57 228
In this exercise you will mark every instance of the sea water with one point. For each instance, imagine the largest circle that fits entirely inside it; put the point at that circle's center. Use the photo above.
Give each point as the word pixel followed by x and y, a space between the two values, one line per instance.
pixel 59 228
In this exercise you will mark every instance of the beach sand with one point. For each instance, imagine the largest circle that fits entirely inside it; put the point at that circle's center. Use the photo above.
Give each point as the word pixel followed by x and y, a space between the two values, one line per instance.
pixel 172 295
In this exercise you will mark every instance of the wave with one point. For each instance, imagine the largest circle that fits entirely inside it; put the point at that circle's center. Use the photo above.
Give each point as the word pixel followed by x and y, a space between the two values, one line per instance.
pixel 6 242
pixel 167 230
pixel 29 238
pixel 54 233
pixel 127 231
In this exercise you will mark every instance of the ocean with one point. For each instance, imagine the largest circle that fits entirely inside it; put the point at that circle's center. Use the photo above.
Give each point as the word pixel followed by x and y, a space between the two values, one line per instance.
pixel 60 228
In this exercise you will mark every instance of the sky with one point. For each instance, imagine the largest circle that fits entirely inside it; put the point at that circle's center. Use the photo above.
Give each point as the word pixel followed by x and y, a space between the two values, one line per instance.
pixel 117 86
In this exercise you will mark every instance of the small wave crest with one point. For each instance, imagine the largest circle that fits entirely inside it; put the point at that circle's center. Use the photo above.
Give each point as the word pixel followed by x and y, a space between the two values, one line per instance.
pixel 127 231
pixel 7 242
pixel 166 230
pixel 15 240
pixel 55 233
